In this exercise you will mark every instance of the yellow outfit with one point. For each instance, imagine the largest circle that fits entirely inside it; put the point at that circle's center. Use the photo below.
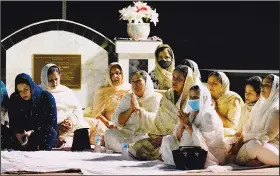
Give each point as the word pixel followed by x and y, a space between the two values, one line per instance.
pixel 228 107
pixel 106 100
pixel 162 78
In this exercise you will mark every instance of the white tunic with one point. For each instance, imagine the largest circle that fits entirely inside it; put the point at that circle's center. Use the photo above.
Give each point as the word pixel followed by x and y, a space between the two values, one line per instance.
pixel 133 130
pixel 207 133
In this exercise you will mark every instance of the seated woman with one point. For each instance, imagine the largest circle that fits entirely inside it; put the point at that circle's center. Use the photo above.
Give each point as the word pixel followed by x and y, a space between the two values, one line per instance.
pixel 201 127
pixel 164 66
pixel 8 140
pixel 69 110
pixel 32 115
pixel 133 110
pixel 164 122
pixel 228 104
pixel 261 133
pixel 252 95
pixel 4 105
pixel 106 99
pixel 193 65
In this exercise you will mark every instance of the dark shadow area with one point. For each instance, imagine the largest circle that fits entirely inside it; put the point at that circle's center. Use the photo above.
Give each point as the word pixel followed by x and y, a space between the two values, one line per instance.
pixel 162 166
pixel 106 158
pixel 146 164
pixel 217 35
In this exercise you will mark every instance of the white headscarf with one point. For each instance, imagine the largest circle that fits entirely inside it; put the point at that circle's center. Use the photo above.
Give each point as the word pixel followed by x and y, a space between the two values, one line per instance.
pixel 208 131
pixel 225 96
pixel 225 84
pixel 45 83
pixel 108 81
pixel 211 128
pixel 149 87
pixel 44 76
pixel 205 96
pixel 259 115
pixel 205 99
pixel 263 105
pixel 124 104
pixel 65 99
pixel 196 70
pixel 195 67
pixel 189 81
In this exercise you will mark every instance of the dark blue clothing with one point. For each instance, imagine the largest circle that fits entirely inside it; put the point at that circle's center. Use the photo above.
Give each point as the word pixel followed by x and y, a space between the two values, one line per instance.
pixel 8 140
pixel 38 114
pixel 4 97
pixel 4 103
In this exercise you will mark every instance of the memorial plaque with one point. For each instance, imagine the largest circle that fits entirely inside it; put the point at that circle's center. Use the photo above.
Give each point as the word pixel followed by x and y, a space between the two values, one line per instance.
pixel 70 66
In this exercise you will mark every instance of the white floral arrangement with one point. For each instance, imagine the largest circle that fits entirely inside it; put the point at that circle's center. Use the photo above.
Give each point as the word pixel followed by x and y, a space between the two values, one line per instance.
pixel 139 13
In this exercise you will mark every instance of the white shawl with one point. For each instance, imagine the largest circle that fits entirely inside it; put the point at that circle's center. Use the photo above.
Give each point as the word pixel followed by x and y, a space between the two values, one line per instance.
pixel 208 132
pixel 67 104
pixel 263 123
pixel 195 69
pixel 149 104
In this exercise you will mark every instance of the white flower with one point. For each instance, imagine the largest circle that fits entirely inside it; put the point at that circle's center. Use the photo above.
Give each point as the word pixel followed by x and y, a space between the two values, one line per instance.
pixel 139 12
pixel 140 4
pixel 154 17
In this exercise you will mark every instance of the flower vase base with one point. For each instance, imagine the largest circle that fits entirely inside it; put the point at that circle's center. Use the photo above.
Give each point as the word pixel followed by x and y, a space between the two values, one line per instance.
pixel 138 30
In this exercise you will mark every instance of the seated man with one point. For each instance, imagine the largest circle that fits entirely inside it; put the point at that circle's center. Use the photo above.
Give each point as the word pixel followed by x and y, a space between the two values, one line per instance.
pixel 106 100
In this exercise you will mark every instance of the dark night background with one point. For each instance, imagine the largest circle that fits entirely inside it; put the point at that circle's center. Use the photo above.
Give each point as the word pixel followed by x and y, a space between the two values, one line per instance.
pixel 217 35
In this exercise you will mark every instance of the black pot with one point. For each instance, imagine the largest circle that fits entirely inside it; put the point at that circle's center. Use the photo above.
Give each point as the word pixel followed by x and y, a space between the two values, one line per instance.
pixel 81 140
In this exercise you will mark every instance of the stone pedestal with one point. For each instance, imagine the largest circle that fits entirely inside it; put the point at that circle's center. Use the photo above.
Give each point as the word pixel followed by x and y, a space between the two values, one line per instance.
pixel 134 55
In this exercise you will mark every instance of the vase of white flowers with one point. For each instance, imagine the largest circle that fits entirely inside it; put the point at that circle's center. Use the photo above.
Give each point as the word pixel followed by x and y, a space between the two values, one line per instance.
pixel 139 17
